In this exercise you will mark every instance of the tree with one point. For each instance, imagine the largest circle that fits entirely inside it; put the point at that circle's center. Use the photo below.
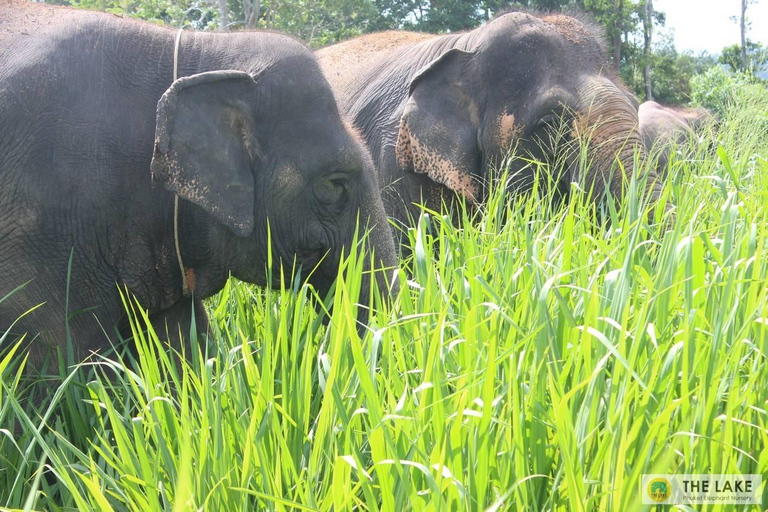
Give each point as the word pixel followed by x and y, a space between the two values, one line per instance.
pixel 671 74
pixel 618 28
pixel 648 36
pixel 618 17
pixel 744 34
pixel 224 14
pixel 451 15
pixel 251 13
pixel 744 25
pixel 628 24
pixel 734 56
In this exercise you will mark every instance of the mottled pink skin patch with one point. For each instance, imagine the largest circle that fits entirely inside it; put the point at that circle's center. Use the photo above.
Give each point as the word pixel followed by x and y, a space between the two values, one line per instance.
pixel 508 130
pixel 191 279
pixel 403 149
pixel 412 154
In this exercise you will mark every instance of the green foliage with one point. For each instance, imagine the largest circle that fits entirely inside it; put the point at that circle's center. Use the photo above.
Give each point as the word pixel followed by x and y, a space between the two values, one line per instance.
pixel 318 22
pixel 196 14
pixel 623 24
pixel 671 74
pixel 720 90
pixel 618 17
pixel 757 57
pixel 451 15
pixel 671 71
pixel 534 359
pixel 671 78
pixel 322 22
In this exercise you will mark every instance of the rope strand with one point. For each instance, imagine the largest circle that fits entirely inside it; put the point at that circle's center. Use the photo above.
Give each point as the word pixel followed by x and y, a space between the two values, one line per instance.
pixel 184 286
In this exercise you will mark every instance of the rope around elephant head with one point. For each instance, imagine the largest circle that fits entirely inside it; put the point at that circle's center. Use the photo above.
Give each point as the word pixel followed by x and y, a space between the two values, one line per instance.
pixel 185 288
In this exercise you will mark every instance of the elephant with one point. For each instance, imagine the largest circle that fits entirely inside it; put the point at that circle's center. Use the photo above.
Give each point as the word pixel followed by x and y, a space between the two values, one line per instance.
pixel 102 153
pixel 438 112
pixel 663 127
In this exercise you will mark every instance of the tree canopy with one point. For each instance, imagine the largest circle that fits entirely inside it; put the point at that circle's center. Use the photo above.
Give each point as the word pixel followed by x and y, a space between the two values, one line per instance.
pixel 656 69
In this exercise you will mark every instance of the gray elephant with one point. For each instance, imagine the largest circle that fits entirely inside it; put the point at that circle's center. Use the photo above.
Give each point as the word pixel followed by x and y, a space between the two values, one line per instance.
pixel 96 139
pixel 438 111
pixel 662 128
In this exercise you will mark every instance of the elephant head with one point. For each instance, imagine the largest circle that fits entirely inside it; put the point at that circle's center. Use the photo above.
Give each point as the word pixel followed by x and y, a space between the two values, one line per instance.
pixel 263 162
pixel 510 85
pixel 663 127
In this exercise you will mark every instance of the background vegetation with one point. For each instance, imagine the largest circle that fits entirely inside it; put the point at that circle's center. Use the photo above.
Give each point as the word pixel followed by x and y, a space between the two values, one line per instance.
pixel 640 49
pixel 535 358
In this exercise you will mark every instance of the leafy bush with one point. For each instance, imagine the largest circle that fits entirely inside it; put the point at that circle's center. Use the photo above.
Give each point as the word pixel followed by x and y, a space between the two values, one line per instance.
pixel 718 89
pixel 671 75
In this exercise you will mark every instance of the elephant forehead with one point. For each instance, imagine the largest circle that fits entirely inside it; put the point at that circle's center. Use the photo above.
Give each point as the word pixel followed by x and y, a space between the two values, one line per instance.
pixel 288 176
pixel 571 29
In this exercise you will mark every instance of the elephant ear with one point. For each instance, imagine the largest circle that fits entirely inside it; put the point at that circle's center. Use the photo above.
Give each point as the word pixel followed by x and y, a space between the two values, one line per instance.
pixel 205 148
pixel 438 129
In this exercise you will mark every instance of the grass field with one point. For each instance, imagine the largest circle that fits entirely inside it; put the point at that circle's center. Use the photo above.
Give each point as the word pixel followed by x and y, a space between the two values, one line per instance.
pixel 532 360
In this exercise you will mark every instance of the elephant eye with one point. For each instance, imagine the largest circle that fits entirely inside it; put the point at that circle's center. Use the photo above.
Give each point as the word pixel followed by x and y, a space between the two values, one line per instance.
pixel 547 120
pixel 333 191
pixel 553 127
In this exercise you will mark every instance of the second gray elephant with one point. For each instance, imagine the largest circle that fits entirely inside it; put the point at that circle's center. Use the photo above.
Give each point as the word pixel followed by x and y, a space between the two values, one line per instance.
pixel 438 112
pixel 664 128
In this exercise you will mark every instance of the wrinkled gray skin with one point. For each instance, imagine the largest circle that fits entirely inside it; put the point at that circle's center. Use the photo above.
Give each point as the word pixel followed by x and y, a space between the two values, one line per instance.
pixel 663 127
pixel 438 111
pixel 95 139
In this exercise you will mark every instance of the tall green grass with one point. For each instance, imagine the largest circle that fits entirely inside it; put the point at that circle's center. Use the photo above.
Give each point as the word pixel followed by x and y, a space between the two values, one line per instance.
pixel 533 359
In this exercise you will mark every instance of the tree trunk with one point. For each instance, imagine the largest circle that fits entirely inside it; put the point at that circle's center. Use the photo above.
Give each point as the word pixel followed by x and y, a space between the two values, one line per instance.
pixel 251 12
pixel 618 14
pixel 256 15
pixel 648 33
pixel 224 15
pixel 744 35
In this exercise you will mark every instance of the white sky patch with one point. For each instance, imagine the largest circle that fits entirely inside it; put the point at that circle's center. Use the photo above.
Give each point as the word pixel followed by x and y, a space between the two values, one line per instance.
pixel 705 25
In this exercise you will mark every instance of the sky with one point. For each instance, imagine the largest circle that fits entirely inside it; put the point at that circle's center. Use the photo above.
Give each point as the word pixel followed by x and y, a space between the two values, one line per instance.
pixel 705 24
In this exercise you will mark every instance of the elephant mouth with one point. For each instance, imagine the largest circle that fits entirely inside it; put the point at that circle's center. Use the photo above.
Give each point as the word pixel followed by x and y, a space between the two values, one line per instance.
pixel 311 256
pixel 315 265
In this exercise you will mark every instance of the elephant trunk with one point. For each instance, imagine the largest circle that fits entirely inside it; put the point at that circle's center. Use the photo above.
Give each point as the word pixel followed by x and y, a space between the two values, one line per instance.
pixel 381 258
pixel 609 123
